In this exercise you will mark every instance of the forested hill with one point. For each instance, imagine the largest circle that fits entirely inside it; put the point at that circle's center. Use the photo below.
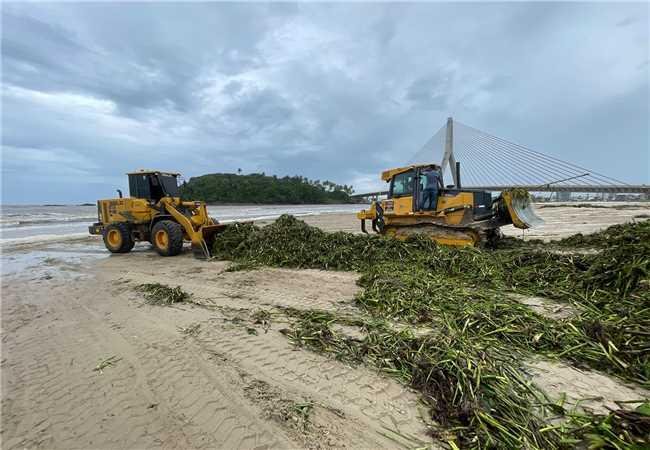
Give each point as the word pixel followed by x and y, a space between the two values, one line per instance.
pixel 261 188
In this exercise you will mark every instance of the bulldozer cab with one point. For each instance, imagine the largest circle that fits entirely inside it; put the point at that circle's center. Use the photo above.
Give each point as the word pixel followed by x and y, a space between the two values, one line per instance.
pixel 415 187
pixel 153 185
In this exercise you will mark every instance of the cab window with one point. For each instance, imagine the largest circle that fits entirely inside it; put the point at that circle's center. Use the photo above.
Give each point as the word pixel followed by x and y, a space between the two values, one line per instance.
pixel 402 184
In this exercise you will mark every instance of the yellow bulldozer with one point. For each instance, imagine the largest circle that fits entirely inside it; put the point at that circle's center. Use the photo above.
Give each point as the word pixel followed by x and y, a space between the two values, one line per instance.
pixel 418 203
pixel 155 213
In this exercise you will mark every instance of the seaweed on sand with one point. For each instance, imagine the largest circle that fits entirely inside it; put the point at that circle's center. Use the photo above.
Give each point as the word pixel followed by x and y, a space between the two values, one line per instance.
pixel 468 369
pixel 160 294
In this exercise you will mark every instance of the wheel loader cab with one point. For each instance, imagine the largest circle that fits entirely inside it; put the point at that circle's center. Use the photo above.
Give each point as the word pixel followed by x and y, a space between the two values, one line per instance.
pixel 153 185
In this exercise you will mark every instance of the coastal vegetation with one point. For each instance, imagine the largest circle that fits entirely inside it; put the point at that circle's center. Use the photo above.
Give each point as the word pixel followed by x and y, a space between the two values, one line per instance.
pixel 444 321
pixel 264 189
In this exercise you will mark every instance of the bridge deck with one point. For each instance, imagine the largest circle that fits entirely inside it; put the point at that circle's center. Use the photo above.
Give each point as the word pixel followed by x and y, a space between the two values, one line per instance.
pixel 617 189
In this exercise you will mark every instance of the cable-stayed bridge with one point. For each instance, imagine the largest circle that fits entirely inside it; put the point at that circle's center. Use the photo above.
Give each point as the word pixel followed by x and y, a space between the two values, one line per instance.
pixel 473 159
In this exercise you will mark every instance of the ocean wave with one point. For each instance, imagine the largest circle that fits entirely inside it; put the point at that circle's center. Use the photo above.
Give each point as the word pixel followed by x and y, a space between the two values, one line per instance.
pixel 41 238
pixel 42 221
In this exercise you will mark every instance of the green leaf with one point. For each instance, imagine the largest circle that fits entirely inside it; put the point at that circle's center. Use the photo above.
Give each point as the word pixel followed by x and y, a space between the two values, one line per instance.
pixel 643 408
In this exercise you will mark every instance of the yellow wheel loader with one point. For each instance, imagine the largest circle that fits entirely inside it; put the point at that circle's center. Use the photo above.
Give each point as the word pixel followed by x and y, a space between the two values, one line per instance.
pixel 418 203
pixel 155 213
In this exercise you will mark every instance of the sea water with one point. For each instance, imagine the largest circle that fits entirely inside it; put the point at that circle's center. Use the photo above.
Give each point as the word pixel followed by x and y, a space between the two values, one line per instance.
pixel 39 241
pixel 40 223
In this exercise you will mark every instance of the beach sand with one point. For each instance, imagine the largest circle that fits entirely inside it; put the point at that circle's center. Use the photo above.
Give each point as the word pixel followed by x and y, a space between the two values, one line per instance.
pixel 87 364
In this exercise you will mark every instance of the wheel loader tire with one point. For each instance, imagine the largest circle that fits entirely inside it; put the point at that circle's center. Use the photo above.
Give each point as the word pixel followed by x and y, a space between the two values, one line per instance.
pixel 167 238
pixel 118 238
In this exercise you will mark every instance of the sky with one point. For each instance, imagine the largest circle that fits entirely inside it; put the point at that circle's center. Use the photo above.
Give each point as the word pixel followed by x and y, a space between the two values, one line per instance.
pixel 335 91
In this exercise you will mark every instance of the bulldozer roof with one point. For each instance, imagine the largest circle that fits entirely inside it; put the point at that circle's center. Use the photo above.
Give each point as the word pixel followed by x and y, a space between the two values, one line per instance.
pixel 387 175
pixel 147 171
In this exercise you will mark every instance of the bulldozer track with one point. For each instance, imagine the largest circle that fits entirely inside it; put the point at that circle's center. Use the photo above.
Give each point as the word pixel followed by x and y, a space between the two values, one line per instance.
pixel 435 231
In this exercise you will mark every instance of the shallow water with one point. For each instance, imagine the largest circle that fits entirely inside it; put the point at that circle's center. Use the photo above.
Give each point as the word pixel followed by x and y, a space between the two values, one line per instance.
pixel 25 223
pixel 59 233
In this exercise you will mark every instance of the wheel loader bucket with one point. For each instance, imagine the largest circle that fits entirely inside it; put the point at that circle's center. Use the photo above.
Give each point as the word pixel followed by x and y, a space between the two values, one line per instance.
pixel 521 209
pixel 202 249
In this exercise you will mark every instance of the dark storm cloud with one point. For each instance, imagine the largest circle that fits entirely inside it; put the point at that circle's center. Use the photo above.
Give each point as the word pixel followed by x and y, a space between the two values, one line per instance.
pixel 430 92
pixel 338 91
pixel 135 61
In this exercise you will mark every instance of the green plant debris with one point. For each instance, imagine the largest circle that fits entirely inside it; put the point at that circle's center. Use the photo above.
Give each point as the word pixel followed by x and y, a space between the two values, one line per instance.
pixel 620 429
pixel 519 193
pixel 294 413
pixel 241 266
pixel 108 362
pixel 468 369
pixel 263 318
pixel 162 295
pixel 191 330
pixel 302 411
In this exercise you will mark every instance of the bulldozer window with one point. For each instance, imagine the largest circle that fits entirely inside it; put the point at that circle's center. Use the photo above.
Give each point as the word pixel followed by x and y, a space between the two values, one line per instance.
pixel 402 184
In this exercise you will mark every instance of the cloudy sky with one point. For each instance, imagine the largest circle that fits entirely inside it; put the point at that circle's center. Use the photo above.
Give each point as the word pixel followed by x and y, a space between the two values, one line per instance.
pixel 329 91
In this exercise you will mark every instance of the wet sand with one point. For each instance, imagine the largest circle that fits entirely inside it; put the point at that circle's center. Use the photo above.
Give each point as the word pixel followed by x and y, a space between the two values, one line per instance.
pixel 206 374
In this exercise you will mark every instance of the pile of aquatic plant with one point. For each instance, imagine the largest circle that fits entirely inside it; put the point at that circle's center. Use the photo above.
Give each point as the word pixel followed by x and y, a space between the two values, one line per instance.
pixel 289 242
pixel 615 235
pixel 418 281
pixel 160 294
pixel 468 369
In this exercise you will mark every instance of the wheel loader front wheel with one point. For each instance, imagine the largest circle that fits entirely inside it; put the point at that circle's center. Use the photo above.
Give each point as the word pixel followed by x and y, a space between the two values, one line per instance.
pixel 117 238
pixel 167 238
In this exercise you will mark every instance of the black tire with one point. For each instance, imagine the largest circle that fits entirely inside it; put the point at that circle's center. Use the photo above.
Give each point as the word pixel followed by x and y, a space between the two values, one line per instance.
pixel 117 238
pixel 167 238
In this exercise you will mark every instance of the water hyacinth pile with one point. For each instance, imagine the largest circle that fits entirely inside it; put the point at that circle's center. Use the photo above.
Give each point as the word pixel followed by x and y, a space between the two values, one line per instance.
pixel 468 368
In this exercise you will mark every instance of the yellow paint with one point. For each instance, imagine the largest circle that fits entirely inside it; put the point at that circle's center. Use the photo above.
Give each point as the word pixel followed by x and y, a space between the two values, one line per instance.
pixel 134 210
pixel 370 213
pixel 455 242
pixel 460 200
pixel 388 175
pixel 516 221
pixel 114 238
pixel 162 239
pixel 402 206
pixel 471 239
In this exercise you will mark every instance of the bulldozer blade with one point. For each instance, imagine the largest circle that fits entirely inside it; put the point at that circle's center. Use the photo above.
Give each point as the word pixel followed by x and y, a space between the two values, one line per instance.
pixel 521 211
